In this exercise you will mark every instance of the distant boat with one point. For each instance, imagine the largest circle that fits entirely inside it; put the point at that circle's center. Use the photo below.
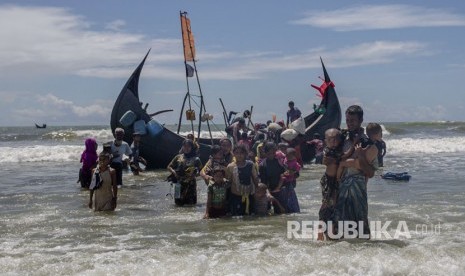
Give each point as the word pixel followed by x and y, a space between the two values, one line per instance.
pixel 42 126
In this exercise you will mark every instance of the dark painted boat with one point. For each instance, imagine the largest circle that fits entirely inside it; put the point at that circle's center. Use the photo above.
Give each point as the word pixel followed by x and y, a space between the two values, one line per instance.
pixel 328 114
pixel 42 126
pixel 157 149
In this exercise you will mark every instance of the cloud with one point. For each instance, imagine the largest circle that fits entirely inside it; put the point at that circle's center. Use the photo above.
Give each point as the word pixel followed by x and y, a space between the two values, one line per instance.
pixel 371 17
pixel 55 41
pixel 98 109
pixel 115 25
pixel 376 52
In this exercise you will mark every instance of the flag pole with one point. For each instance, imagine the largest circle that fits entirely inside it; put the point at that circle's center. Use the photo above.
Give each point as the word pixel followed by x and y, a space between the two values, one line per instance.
pixel 202 103
pixel 187 97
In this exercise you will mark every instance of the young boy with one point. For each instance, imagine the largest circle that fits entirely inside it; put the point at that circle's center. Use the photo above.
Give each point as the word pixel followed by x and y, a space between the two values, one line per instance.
pixel 218 190
pixel 329 185
pixel 263 200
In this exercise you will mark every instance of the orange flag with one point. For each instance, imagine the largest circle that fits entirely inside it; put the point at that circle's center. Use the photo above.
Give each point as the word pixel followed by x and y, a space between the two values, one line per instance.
pixel 187 39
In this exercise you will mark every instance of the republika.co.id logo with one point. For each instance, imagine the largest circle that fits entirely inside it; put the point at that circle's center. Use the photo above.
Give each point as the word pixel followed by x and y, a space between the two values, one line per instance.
pixel 386 230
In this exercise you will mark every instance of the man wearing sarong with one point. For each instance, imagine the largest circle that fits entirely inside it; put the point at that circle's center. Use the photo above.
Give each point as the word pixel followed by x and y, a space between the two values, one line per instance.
pixel 352 201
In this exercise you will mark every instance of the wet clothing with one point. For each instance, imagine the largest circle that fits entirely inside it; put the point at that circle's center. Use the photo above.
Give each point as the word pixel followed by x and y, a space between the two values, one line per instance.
pixel 119 151
pixel 117 160
pixel 318 145
pixel 218 193
pixel 352 201
pixel 262 205
pixel 329 192
pixel 381 145
pixel 270 172
pixel 89 161
pixel 212 163
pixel 241 205
pixel 292 203
pixel 186 167
pixel 242 187
pixel 294 167
pixel 103 196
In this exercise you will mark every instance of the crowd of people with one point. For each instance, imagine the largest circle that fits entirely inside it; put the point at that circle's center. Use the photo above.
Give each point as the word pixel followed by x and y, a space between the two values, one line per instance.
pixel 254 172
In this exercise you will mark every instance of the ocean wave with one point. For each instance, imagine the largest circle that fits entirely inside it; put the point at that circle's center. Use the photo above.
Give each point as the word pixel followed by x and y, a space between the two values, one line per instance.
pixel 19 134
pixel 40 153
pixel 426 145
pixel 64 153
pixel 426 128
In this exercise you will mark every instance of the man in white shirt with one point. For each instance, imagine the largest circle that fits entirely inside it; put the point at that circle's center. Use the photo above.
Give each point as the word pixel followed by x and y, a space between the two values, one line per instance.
pixel 118 149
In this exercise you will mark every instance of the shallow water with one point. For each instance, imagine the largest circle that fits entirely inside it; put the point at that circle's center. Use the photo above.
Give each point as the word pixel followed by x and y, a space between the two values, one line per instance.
pixel 46 227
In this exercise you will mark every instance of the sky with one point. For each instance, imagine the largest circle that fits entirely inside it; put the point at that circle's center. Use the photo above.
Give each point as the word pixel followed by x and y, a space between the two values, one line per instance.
pixel 65 62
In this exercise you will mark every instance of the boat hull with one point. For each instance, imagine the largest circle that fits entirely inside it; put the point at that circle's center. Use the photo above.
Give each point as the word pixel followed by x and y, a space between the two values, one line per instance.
pixel 160 149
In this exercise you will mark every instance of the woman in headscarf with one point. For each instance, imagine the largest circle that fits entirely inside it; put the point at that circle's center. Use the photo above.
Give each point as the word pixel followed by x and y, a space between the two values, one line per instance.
pixel 89 161
pixel 184 168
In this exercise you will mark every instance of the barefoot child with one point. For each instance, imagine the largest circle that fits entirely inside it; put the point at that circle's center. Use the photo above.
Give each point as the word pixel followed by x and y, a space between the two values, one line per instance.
pixel 217 199
pixel 329 185
pixel 263 201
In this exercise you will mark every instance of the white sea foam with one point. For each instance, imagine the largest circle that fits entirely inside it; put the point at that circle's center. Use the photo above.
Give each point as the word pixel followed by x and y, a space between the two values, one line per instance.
pixel 40 153
pixel 426 145
pixel 60 153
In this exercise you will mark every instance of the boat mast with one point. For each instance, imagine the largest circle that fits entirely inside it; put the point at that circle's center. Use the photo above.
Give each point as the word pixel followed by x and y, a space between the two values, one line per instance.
pixel 187 96
pixel 186 65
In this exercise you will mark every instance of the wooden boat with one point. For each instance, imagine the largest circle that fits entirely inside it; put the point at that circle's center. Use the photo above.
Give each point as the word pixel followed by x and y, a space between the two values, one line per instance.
pixel 159 148
pixel 42 126
pixel 327 114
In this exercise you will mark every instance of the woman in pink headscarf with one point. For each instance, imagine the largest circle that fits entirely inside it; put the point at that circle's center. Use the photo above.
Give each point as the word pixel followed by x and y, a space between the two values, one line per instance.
pixel 89 161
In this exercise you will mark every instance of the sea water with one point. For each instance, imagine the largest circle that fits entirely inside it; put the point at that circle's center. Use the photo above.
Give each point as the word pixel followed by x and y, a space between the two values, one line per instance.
pixel 46 227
